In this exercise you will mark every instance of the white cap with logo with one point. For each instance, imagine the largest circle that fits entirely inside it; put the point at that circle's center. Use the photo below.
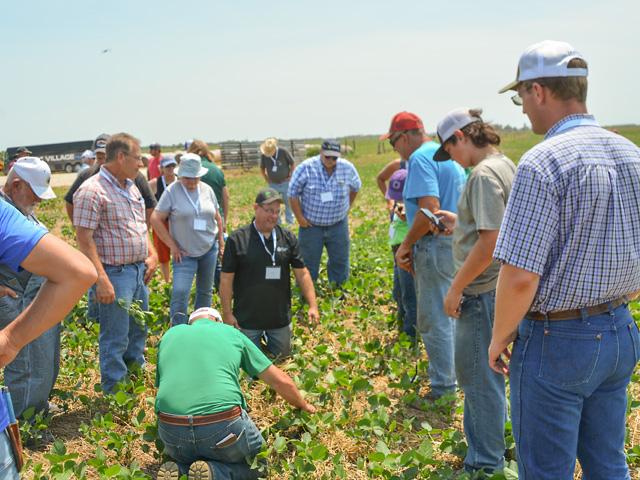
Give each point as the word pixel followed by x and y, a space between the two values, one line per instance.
pixel 548 58
pixel 37 174
pixel 455 120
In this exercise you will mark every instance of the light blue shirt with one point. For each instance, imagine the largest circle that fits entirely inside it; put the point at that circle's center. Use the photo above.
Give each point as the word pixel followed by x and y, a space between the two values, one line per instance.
pixel 428 178
pixel 324 198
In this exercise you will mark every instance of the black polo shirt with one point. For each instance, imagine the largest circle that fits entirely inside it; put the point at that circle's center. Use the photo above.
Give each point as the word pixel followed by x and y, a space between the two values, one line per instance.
pixel 141 182
pixel 258 303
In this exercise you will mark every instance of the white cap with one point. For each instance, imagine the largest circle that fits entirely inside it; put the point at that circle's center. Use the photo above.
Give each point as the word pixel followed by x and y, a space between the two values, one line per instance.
pixel 455 120
pixel 548 58
pixel 37 174
pixel 87 154
pixel 205 312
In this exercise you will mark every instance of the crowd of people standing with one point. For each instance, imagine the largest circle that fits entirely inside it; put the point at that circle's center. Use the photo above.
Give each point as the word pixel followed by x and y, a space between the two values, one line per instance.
pixel 498 270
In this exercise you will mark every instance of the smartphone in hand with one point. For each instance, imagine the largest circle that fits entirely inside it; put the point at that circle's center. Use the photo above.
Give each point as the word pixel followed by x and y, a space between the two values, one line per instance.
pixel 435 220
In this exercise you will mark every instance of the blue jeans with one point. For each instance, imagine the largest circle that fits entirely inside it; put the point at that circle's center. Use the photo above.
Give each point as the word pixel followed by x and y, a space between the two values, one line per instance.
pixel 187 444
pixel 92 305
pixel 8 469
pixel 278 339
pixel 433 264
pixel 568 395
pixel 33 373
pixel 203 268
pixel 336 238
pixel 485 403
pixel 406 299
pixel 282 189
pixel 121 339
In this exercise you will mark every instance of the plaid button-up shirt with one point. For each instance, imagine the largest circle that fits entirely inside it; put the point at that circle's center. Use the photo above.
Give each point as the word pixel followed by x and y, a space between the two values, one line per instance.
pixel 115 215
pixel 573 216
pixel 310 181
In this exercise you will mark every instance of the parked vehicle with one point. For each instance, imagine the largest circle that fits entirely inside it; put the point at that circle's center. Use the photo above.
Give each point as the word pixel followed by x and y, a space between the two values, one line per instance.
pixel 61 157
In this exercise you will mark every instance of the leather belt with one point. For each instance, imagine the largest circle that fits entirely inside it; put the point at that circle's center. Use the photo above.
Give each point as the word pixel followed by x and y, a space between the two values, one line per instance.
pixel 578 312
pixel 200 419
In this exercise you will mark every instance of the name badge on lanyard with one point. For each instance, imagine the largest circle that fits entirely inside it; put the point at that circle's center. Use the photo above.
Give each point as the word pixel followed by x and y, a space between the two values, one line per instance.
pixel 274 271
pixel 199 224
pixel 326 197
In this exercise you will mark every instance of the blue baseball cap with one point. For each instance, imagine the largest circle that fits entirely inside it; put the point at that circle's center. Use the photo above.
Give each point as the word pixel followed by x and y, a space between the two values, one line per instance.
pixel 330 148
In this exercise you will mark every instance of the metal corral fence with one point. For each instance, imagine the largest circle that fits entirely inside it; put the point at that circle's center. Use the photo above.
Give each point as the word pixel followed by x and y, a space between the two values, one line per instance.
pixel 247 154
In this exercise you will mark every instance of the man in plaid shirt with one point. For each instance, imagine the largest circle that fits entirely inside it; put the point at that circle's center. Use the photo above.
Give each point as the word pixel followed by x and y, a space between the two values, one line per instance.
pixel 109 217
pixel 570 249
pixel 321 192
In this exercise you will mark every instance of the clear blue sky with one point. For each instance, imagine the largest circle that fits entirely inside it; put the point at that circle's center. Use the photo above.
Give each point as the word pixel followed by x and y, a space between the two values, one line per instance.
pixel 249 69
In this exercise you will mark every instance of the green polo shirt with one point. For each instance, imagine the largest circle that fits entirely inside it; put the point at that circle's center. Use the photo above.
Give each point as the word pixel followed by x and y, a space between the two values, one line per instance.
pixel 215 179
pixel 199 366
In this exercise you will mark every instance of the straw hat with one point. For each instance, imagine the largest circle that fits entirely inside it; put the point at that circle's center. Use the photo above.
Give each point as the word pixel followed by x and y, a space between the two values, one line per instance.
pixel 268 147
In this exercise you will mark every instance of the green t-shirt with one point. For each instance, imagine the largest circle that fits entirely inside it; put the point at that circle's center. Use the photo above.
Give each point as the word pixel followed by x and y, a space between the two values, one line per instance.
pixel 397 231
pixel 215 179
pixel 481 207
pixel 199 366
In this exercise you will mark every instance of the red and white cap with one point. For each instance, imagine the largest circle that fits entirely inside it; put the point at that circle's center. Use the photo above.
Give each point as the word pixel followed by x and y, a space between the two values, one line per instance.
pixel 205 312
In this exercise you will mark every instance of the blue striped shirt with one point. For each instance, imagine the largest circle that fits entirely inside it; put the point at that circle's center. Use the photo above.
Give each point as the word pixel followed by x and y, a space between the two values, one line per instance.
pixel 310 181
pixel 573 216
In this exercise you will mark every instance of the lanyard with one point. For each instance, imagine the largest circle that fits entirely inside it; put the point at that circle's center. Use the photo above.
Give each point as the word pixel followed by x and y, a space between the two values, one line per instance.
pixel 577 122
pixel 264 243
pixel 195 205
pixel 323 172
pixel 274 159
pixel 125 193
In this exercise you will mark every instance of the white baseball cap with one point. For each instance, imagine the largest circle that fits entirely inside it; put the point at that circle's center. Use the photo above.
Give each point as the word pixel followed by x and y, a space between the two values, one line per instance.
pixel 454 120
pixel 205 312
pixel 548 58
pixel 87 154
pixel 37 174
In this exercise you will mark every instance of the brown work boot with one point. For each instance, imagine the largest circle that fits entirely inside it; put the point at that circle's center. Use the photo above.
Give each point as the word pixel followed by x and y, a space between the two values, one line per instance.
pixel 200 470
pixel 168 471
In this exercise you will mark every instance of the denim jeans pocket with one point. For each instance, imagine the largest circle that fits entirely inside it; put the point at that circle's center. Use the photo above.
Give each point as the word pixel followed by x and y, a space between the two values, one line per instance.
pixel 229 449
pixel 443 259
pixel 569 358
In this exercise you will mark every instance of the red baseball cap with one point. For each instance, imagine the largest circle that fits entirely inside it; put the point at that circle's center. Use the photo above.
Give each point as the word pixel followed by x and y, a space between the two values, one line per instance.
pixel 403 121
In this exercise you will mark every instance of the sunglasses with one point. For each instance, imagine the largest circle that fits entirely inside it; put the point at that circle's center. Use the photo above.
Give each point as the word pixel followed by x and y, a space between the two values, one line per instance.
pixel 517 100
pixel 331 159
pixel 393 140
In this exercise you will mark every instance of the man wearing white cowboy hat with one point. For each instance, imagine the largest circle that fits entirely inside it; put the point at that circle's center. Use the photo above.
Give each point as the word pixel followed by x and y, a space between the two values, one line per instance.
pixel 192 209
pixel 202 418
pixel 569 247
pixel 32 374
pixel 277 166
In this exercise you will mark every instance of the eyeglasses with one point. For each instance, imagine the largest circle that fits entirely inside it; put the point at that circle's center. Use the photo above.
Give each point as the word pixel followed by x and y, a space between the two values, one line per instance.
pixel 331 159
pixel 393 140
pixel 271 211
pixel 517 100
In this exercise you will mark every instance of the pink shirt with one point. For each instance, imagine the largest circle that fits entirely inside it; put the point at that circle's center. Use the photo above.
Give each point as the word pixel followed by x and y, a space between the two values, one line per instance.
pixel 153 168
pixel 116 215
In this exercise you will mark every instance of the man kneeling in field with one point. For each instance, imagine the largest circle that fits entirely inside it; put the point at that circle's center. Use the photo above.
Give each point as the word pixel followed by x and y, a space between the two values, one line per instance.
pixel 201 411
